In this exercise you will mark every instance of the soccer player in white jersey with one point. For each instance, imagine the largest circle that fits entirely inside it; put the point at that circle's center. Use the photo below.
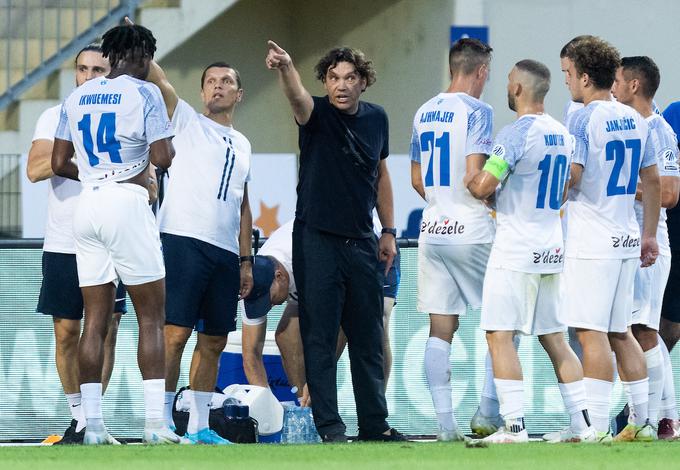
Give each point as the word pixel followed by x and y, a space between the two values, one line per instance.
pixel 635 85
pixel 118 125
pixel 450 143
pixel 521 287
pixel 60 294
pixel 206 230
pixel 603 238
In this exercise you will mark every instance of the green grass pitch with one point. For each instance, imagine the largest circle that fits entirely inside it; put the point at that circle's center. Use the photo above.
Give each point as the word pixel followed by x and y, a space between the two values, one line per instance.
pixel 411 456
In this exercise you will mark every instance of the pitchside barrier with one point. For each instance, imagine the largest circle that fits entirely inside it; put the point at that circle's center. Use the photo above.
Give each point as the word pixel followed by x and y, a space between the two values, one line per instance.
pixel 32 404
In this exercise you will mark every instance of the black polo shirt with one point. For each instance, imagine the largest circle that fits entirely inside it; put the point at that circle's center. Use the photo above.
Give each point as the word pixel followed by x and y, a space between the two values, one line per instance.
pixel 339 156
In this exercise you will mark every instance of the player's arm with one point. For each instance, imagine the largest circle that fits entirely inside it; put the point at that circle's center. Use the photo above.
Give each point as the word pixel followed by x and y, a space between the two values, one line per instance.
pixel 152 187
pixel 474 164
pixel 670 190
pixel 245 241
pixel 161 153
pixel 298 97
pixel 62 162
pixel 484 183
pixel 651 205
pixel 253 337
pixel 385 206
pixel 40 160
pixel 157 77
pixel 576 171
pixel 417 179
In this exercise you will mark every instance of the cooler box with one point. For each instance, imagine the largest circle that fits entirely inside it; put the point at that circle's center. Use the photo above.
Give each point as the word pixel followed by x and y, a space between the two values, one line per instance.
pixel 231 366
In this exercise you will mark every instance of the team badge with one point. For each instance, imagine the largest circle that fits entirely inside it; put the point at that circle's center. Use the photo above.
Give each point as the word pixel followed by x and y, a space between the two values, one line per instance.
pixel 499 151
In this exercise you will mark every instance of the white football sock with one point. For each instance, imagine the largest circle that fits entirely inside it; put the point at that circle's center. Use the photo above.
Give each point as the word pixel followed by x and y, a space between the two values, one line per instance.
pixel 638 394
pixel 668 408
pixel 598 395
pixel 511 401
pixel 199 412
pixel 488 403
pixel 75 405
pixel 92 405
pixel 167 407
pixel 574 397
pixel 655 371
pixel 438 373
pixel 154 391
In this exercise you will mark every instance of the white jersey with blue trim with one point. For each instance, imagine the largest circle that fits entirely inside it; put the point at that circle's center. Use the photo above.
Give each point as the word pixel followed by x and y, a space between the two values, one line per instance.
pixel 538 151
pixel 573 106
pixel 206 181
pixel 446 129
pixel 111 123
pixel 611 145
pixel 665 144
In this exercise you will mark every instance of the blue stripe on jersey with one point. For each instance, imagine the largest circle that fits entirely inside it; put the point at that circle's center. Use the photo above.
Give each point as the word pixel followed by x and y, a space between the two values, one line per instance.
pixel 578 127
pixel 414 148
pixel 480 120
pixel 63 132
pixel 156 122
pixel 664 145
pixel 513 138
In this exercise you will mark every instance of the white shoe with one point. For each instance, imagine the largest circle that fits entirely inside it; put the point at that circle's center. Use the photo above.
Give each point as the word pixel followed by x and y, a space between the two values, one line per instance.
pixel 567 435
pixel 503 436
pixel 162 435
pixel 450 436
pixel 485 425
pixel 100 437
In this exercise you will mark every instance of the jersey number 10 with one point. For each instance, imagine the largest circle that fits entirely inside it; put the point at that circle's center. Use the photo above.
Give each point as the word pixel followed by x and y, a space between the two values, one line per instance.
pixel 106 138
pixel 559 176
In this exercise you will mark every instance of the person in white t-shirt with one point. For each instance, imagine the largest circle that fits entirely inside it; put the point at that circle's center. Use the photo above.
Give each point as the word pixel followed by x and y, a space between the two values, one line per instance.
pixel 117 125
pixel 60 294
pixel 206 230
pixel 450 143
pixel 531 159
pixel 604 239
pixel 635 85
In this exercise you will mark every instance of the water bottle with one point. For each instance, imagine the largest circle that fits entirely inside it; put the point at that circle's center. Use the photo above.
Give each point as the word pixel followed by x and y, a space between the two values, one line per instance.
pixel 311 436
pixel 287 431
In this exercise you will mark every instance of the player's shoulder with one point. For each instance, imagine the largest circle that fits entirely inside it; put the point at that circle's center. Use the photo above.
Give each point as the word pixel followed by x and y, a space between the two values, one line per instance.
pixel 241 139
pixel 515 134
pixel 475 104
pixel 52 113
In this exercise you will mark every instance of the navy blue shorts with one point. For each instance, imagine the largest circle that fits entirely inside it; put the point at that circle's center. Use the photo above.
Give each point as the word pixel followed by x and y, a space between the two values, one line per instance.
pixel 391 284
pixel 670 309
pixel 202 284
pixel 60 294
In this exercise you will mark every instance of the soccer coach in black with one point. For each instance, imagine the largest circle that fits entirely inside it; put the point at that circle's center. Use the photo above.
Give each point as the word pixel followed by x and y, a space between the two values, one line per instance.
pixel 343 176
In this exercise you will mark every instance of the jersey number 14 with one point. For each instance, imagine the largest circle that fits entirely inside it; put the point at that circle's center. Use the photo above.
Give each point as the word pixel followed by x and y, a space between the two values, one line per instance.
pixel 106 138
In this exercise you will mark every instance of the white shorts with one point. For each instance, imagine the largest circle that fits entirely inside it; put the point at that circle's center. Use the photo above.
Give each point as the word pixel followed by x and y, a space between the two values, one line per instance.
pixel 116 236
pixel 524 302
pixel 598 293
pixel 650 284
pixel 451 277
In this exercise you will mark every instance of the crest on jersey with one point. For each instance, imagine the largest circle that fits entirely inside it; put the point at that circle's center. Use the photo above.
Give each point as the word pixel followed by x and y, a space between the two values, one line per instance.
pixel 498 150
pixel 670 162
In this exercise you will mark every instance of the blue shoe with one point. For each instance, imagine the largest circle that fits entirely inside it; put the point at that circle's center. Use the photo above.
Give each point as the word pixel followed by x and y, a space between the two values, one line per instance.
pixel 207 436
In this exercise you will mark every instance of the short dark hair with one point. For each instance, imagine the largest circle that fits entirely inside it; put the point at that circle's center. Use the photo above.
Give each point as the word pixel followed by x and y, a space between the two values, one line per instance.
pixel 355 57
pixel 93 47
pixel 644 69
pixel 541 75
pixel 597 58
pixel 565 48
pixel 133 42
pixel 222 65
pixel 467 54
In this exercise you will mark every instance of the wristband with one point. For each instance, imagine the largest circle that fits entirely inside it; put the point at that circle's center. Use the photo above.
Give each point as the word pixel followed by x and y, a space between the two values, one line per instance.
pixel 391 231
pixel 249 258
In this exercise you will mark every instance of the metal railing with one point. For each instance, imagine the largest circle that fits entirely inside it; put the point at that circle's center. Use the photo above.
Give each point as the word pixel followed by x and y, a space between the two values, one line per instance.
pixel 37 36
pixel 10 196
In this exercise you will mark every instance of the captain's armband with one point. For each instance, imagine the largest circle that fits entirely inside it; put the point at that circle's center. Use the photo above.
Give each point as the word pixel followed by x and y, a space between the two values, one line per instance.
pixel 497 167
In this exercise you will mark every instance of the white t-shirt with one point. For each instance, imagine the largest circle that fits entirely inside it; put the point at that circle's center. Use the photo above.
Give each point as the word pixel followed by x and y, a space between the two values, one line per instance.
pixel 111 123
pixel 446 129
pixel 611 145
pixel 665 145
pixel 538 151
pixel 62 193
pixel 206 180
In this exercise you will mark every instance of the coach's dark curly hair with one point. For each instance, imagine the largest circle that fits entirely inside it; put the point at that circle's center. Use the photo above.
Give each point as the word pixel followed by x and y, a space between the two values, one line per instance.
pixel 346 54
pixel 132 42
pixel 597 58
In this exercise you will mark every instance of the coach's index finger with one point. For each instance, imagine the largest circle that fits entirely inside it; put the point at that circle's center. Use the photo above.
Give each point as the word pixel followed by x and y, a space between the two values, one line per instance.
pixel 128 21
pixel 275 47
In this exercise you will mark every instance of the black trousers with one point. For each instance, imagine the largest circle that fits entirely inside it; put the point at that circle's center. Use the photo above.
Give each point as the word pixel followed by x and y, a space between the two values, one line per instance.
pixel 339 284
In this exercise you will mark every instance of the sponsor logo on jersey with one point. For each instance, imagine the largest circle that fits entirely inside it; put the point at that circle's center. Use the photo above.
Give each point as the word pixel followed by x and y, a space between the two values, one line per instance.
pixel 625 241
pixel 555 256
pixel 498 150
pixel 443 226
pixel 670 163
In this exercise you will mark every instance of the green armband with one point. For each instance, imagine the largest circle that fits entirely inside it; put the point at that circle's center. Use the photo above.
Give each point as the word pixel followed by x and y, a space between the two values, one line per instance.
pixel 497 167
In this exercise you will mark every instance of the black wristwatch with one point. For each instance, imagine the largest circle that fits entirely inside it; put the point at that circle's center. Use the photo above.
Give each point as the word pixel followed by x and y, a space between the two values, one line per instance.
pixel 248 258
pixel 391 231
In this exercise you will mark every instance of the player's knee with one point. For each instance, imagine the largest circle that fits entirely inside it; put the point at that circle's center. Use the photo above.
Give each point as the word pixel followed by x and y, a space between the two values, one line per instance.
pixel 176 337
pixel 213 345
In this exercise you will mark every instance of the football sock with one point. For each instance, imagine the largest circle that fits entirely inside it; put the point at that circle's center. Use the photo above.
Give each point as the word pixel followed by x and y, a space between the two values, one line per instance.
pixel 154 390
pixel 655 371
pixel 199 411
pixel 511 401
pixel 438 373
pixel 574 397
pixel 74 404
pixel 638 393
pixel 167 407
pixel 598 394
pixel 92 405
pixel 488 404
pixel 668 408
